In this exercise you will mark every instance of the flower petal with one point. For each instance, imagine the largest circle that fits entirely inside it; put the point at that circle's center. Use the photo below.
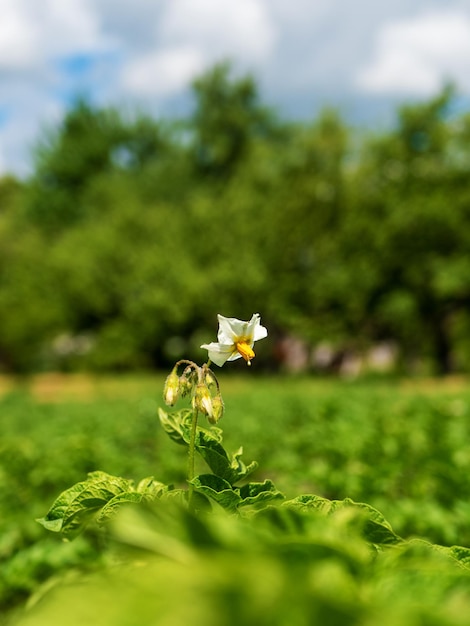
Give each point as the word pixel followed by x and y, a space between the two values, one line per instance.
pixel 219 353
pixel 254 329
pixel 230 328
pixel 260 332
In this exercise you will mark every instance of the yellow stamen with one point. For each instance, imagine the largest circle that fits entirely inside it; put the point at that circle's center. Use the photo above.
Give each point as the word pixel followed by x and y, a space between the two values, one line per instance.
pixel 245 350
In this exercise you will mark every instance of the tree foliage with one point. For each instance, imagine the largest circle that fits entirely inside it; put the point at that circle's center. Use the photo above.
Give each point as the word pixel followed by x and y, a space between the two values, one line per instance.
pixel 133 232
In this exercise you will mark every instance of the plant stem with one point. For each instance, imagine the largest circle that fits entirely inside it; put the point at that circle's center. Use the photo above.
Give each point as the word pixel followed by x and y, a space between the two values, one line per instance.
pixel 192 446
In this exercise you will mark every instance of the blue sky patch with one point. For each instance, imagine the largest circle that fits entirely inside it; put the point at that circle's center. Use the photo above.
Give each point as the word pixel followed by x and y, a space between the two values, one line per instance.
pixel 5 115
pixel 77 64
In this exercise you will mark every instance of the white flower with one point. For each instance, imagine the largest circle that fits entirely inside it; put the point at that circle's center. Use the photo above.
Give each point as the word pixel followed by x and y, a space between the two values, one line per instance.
pixel 236 339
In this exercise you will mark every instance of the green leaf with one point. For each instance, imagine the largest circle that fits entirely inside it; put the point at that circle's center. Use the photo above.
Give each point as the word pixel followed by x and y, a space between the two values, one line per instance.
pixel 147 490
pixel 74 507
pixel 461 554
pixel 242 470
pixel 150 486
pixel 214 454
pixel 109 510
pixel 376 529
pixel 259 493
pixel 310 501
pixel 380 534
pixel 206 438
pixel 218 463
pixel 173 424
pixel 218 490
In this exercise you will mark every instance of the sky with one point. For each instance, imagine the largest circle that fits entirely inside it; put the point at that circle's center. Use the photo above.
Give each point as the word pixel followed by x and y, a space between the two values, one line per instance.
pixel 362 57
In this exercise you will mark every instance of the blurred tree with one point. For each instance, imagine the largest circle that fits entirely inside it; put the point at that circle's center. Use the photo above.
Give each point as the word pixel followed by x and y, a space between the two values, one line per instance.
pixel 411 216
pixel 227 118
pixel 11 194
pixel 88 143
pixel 30 308
pixel 303 222
pixel 136 233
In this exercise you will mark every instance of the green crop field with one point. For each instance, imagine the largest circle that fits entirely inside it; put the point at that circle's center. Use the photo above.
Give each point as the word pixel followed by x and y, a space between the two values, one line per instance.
pixel 400 448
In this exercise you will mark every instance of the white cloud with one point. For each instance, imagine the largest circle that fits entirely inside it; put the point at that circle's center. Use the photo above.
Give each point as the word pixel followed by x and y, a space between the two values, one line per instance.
pixel 17 36
pixel 33 32
pixel 221 27
pixel 162 73
pixel 74 26
pixel 192 35
pixel 415 56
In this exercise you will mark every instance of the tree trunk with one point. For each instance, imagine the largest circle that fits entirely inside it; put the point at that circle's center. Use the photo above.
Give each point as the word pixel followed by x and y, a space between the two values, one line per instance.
pixel 442 345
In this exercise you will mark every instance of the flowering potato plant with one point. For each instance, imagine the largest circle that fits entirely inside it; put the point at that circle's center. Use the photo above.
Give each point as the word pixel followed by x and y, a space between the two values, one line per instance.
pixel 100 495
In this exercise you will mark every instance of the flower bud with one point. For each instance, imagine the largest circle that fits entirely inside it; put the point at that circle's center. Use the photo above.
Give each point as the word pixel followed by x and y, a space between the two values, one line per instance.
pixel 171 388
pixel 187 382
pixel 217 409
pixel 210 380
pixel 202 400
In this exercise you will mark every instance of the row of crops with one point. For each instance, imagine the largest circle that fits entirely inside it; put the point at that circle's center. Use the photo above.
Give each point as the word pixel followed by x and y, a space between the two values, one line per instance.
pixel 400 557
